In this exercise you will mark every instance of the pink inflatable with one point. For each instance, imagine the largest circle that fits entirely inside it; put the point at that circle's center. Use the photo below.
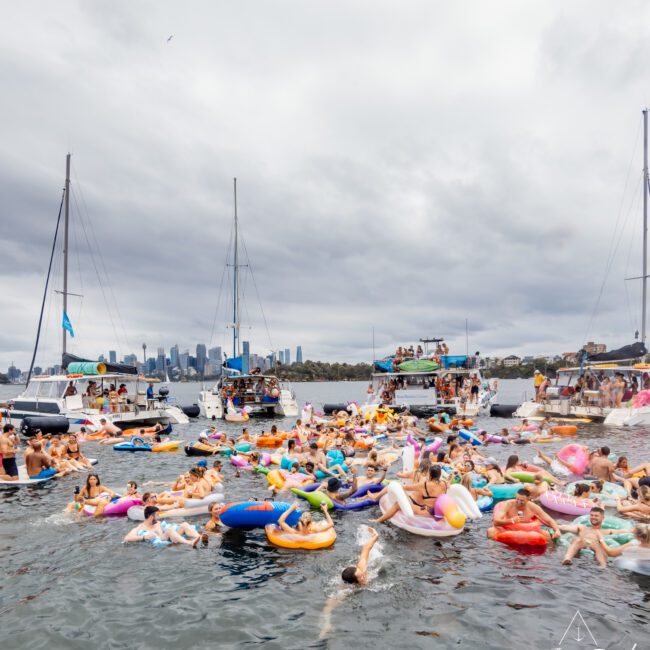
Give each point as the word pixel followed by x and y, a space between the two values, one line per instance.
pixel 265 460
pixel 492 437
pixel 642 398
pixel 565 503
pixel 433 447
pixel 410 440
pixel 239 461
pixel 575 458
pixel 529 427
pixel 115 508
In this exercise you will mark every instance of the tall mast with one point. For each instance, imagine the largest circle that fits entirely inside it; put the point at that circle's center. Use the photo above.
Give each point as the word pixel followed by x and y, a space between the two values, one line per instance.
pixel 65 245
pixel 644 276
pixel 235 293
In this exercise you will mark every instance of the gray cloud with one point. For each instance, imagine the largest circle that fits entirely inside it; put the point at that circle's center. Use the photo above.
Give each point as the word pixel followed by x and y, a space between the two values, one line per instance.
pixel 398 169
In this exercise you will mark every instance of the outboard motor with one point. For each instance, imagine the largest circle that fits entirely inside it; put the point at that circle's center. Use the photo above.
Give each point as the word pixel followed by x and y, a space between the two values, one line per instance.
pixel 33 423
pixel 163 392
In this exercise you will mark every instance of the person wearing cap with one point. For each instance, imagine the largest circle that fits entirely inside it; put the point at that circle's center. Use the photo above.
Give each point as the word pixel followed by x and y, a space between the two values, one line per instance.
pixel 205 441
pixel 333 485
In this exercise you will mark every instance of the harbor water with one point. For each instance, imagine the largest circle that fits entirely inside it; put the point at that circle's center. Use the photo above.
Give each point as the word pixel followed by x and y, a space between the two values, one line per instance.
pixel 69 582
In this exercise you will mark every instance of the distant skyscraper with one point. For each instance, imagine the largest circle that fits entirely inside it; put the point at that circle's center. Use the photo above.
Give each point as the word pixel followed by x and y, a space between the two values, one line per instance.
pixel 281 356
pixel 201 358
pixel 299 354
pixel 183 360
pixel 131 360
pixel 112 356
pixel 150 366
pixel 173 356
pixel 38 370
pixel 101 358
pixel 287 356
pixel 245 357
pixel 160 360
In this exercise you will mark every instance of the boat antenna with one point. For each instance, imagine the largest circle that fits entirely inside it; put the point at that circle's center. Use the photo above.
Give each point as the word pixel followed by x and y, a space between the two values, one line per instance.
pixel 373 345
pixel 47 281
pixel 65 247
pixel 645 226
pixel 235 297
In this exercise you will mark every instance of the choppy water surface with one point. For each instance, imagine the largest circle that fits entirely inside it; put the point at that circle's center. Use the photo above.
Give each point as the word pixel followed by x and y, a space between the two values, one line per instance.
pixel 70 583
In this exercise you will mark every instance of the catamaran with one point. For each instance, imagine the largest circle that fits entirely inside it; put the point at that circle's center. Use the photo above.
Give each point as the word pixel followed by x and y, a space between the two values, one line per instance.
pixel 79 392
pixel 591 401
pixel 433 383
pixel 241 387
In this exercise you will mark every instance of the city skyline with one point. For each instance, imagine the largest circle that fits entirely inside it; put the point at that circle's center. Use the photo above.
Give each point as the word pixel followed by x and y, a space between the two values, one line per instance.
pixel 203 363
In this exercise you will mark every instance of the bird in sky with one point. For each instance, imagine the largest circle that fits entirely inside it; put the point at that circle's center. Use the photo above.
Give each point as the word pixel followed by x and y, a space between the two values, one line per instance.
pixel 170 38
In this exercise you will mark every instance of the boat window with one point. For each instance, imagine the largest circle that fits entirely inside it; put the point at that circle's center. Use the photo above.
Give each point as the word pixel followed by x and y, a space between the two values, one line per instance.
pixel 45 388
pixel 31 390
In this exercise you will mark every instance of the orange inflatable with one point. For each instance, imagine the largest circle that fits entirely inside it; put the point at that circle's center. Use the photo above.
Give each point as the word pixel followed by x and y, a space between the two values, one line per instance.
pixel 565 430
pixel 269 441
pixel 528 533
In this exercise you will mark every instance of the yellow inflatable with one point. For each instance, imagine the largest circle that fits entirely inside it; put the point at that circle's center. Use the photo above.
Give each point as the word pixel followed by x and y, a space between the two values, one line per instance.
pixel 170 445
pixel 309 542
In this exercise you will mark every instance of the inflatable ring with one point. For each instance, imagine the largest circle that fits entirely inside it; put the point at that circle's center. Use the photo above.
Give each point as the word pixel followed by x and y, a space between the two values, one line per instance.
pixel 309 542
pixel 565 430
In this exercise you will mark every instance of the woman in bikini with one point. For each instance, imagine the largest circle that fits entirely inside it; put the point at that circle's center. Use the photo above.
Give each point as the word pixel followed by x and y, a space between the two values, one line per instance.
pixel 422 495
pixel 95 494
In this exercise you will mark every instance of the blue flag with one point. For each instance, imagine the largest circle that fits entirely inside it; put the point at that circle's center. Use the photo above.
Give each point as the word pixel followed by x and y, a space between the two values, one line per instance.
pixel 67 325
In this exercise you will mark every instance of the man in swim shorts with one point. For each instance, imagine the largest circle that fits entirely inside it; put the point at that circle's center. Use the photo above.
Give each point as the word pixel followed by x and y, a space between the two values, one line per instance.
pixel 108 429
pixel 588 537
pixel 153 530
pixel 8 441
pixel 39 464
pixel 521 510
pixel 358 574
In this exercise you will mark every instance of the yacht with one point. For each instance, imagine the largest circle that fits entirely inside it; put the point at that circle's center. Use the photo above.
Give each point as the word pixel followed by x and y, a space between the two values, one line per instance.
pixel 68 394
pixel 261 394
pixel 432 384
pixel 258 392
pixel 562 399
pixel 45 396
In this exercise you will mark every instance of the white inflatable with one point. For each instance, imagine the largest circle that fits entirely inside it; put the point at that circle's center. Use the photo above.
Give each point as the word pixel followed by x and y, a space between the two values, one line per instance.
pixel 192 508
pixel 416 524
pixel 465 501
pixel 408 458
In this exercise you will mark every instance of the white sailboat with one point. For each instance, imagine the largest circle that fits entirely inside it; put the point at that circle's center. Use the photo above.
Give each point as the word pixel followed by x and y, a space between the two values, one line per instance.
pixel 561 400
pixel 78 395
pixel 241 387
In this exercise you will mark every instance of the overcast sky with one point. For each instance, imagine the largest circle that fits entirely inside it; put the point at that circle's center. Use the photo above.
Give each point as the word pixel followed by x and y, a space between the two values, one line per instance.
pixel 400 165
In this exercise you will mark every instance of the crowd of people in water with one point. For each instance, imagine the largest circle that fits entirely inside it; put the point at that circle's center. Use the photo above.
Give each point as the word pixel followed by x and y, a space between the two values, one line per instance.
pixel 356 449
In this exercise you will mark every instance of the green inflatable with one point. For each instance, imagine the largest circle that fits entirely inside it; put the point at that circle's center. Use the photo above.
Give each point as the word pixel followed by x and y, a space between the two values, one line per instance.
pixel 315 499
pixel 418 365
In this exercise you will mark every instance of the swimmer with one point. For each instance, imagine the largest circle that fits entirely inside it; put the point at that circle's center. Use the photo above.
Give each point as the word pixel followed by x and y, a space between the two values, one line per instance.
pixel 108 429
pixel 214 524
pixel 152 530
pixel 587 537
pixel 641 534
pixel 358 574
